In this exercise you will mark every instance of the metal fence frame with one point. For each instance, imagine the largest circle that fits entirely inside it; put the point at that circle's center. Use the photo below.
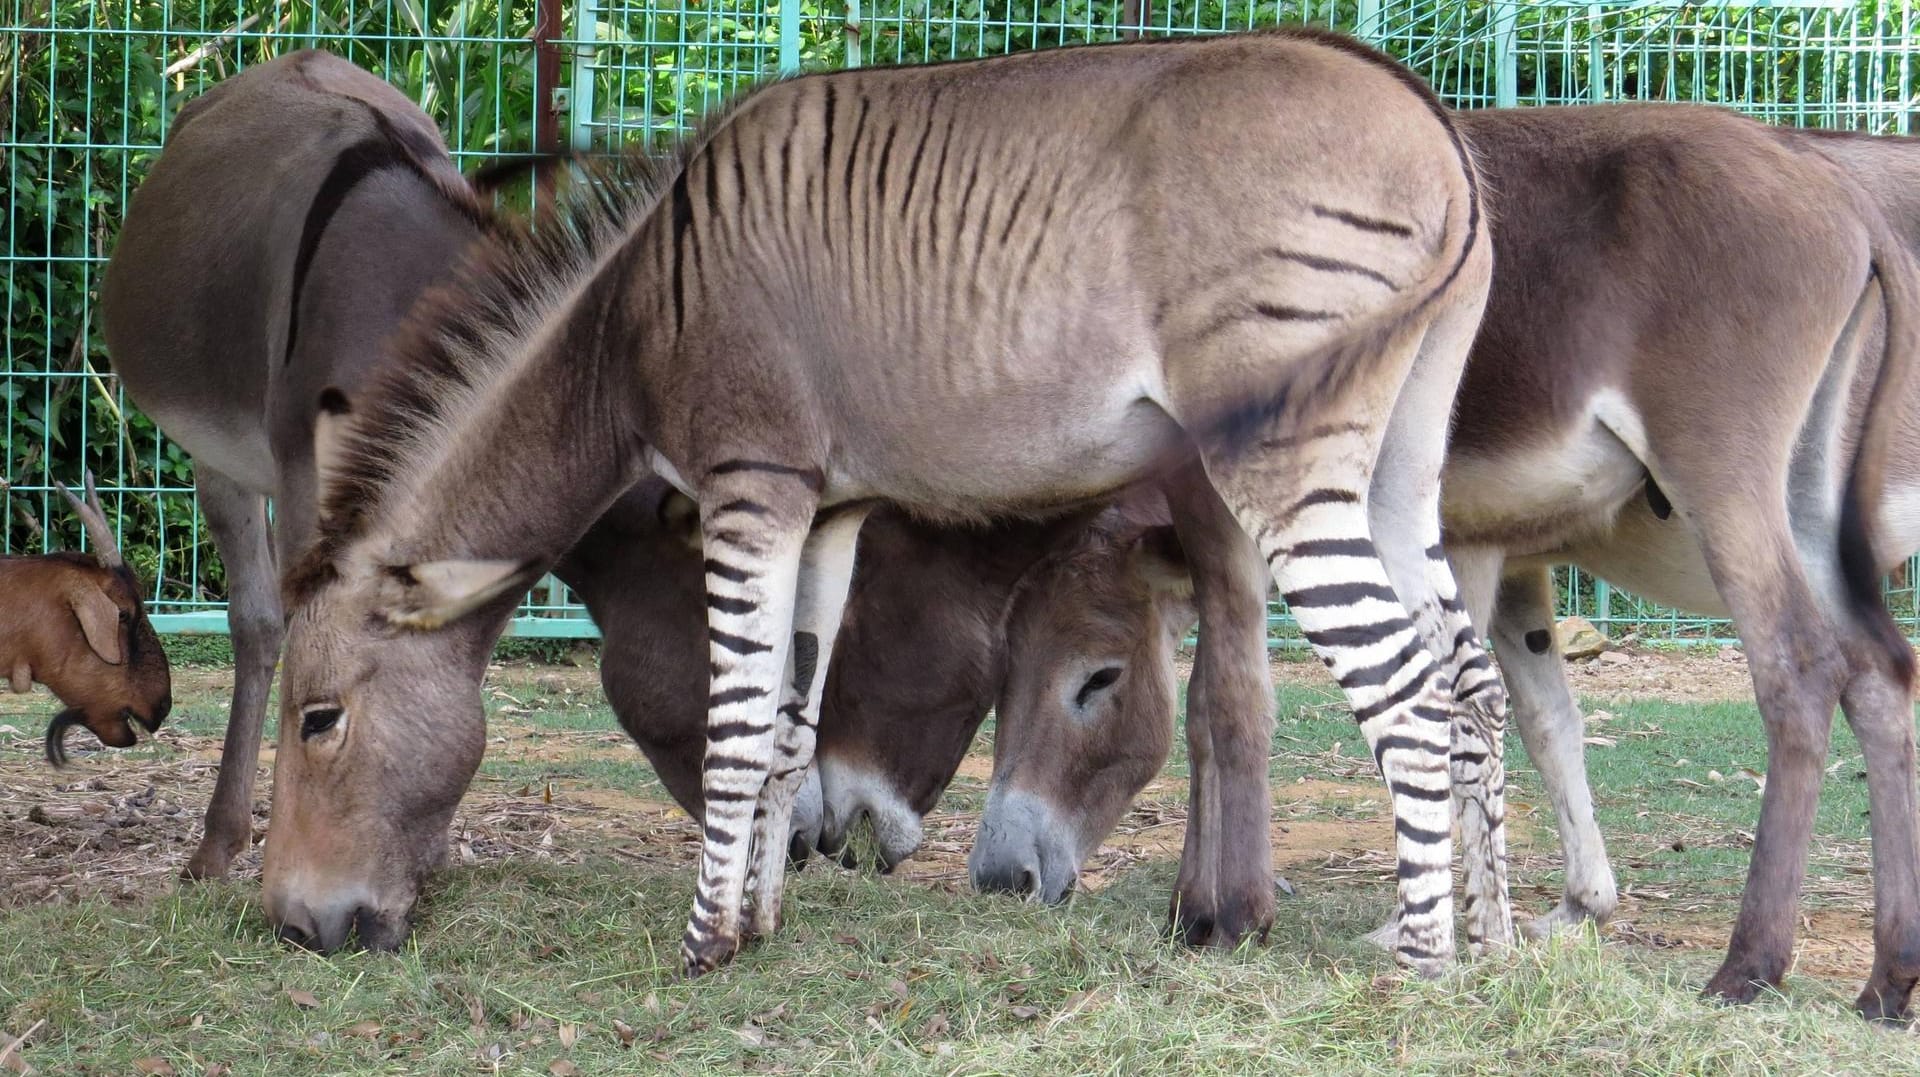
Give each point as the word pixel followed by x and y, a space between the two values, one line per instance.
pixel 615 70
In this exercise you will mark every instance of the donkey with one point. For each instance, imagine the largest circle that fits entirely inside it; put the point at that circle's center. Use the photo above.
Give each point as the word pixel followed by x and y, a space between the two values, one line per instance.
pixel 76 623
pixel 314 203
pixel 923 646
pixel 1694 370
pixel 827 310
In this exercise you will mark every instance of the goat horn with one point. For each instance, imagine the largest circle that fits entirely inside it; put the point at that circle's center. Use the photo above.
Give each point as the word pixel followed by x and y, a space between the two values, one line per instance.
pixel 99 531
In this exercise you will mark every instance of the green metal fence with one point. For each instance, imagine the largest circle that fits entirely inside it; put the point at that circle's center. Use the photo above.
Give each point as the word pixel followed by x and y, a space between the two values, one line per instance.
pixel 88 87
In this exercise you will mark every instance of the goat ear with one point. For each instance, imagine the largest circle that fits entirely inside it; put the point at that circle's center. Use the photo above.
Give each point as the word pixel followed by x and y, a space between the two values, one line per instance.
pixel 1158 559
pixel 435 593
pixel 99 621
pixel 330 425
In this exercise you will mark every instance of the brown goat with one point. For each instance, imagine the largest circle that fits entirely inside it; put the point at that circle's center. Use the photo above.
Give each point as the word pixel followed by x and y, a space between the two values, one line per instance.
pixel 75 623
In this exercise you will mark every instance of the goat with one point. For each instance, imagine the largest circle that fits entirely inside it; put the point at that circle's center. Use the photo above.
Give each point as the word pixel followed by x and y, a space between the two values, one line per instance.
pixel 75 623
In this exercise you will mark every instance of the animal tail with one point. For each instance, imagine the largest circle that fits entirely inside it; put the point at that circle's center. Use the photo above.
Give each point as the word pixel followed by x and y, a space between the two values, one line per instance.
pixel 1860 567
pixel 1335 363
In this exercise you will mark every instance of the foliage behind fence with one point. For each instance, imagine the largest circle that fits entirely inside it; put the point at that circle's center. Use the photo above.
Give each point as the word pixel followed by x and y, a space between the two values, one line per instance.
pixel 88 87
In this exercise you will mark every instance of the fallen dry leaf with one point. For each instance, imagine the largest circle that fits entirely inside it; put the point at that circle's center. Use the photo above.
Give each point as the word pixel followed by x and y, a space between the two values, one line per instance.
pixel 10 1054
pixel 1024 1013
pixel 476 1013
pixel 366 1030
pixel 569 1034
pixel 218 1069
pixel 625 1031
pixel 154 1067
pixel 303 999
pixel 936 1026
pixel 560 1067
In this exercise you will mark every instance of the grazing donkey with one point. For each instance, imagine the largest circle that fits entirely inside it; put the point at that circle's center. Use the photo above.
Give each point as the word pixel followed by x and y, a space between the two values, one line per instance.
pixel 314 203
pixel 76 623
pixel 1694 370
pixel 829 309
pixel 923 649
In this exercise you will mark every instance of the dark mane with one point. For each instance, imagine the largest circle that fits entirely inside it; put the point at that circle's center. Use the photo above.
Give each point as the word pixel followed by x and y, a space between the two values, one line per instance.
pixel 470 330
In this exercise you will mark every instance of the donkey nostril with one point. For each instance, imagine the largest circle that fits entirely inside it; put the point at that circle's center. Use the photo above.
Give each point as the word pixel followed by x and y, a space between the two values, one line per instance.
pixel 1029 882
pixel 160 713
pixel 296 936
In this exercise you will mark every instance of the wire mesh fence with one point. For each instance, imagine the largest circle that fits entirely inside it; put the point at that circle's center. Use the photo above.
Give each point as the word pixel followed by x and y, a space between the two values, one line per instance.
pixel 89 87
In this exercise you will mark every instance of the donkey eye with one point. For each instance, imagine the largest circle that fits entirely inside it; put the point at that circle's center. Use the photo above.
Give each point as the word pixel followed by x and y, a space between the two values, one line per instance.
pixel 317 721
pixel 1100 681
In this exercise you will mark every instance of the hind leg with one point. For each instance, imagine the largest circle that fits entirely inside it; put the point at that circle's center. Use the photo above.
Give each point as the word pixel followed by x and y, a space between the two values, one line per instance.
pixel 1798 673
pixel 1404 511
pixel 1303 500
pixel 1879 707
pixel 826 571
pixel 238 519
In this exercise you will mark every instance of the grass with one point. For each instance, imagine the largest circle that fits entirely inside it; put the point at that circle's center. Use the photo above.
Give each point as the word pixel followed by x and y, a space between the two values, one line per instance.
pixel 535 966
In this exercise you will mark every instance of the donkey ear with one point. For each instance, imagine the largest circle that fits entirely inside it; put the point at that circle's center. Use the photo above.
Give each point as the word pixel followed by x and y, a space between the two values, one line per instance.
pixel 435 593
pixel 99 620
pixel 330 426
pixel 1158 559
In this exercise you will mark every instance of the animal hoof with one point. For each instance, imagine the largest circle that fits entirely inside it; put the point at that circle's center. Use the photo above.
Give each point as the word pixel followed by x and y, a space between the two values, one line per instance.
pixel 700 956
pixel 1884 1004
pixel 1386 936
pixel 1565 916
pixel 1736 986
pixel 1425 966
pixel 1224 926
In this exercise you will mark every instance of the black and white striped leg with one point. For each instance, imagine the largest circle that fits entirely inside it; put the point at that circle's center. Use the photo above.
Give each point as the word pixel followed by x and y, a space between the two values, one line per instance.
pixel 753 543
pixel 826 571
pixel 1333 579
pixel 1477 762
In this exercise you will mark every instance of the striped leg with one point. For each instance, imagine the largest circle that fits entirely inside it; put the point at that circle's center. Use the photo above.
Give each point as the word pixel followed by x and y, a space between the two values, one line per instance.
pixel 1404 512
pixel 1478 765
pixel 826 571
pixel 753 525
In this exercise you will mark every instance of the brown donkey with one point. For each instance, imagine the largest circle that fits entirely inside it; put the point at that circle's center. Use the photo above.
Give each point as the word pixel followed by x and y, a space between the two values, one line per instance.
pixel 1684 383
pixel 314 203
pixel 828 309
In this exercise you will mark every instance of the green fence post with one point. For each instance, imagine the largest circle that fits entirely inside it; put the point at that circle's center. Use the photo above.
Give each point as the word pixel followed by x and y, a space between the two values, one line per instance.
pixel 789 36
pixel 1367 27
pixel 1602 603
pixel 1596 57
pixel 1506 65
pixel 852 31
pixel 586 30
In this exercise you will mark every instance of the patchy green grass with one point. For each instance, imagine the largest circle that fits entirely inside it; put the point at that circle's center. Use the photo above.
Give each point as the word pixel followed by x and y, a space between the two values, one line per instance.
pixel 568 964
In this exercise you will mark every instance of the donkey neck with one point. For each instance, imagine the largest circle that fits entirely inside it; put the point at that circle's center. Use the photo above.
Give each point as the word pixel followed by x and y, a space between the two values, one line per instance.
pixel 526 465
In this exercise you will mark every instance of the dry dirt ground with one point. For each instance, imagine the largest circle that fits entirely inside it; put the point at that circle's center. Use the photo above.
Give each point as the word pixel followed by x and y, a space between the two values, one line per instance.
pixel 121 825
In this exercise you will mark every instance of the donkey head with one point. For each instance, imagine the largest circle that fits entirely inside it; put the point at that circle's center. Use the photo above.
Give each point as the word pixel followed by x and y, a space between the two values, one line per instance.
pixel 381 729
pixel 113 672
pixel 1085 719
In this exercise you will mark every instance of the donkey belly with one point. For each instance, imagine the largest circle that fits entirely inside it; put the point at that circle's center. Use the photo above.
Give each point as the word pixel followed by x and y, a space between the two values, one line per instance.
pixel 990 429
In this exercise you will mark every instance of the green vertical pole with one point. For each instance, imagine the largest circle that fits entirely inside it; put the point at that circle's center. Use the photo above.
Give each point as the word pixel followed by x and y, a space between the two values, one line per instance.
pixel 789 36
pixel 1596 57
pixel 586 29
pixel 1602 603
pixel 852 30
pixel 1368 27
pixel 1506 64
